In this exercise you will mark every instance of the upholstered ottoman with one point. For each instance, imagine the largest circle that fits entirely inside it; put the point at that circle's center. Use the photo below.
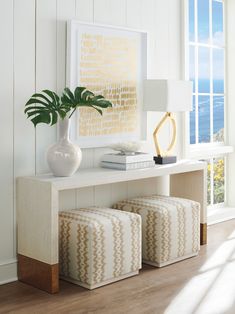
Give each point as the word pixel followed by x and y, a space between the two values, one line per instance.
pixel 99 246
pixel 170 227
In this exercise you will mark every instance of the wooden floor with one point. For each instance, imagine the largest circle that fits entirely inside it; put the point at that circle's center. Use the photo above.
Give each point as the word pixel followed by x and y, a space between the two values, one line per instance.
pixel 205 285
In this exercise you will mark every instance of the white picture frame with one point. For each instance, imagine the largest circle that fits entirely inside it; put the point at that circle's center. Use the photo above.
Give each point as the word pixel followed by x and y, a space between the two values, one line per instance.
pixel 76 32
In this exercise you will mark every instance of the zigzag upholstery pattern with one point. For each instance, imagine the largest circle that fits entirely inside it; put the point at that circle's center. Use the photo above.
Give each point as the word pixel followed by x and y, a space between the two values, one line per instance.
pixel 99 245
pixel 170 227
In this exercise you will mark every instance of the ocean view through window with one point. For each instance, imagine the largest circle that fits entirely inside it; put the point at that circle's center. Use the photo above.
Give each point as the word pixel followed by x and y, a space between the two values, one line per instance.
pixel 205 116
pixel 206 69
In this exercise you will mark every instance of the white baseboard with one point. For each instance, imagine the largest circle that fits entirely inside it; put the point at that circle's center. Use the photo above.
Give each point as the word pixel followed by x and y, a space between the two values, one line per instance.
pixel 8 271
pixel 218 215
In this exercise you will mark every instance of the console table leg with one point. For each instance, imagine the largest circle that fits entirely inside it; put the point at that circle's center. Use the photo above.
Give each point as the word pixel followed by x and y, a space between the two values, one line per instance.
pixel 37 219
pixel 203 233
pixel 38 274
pixel 192 185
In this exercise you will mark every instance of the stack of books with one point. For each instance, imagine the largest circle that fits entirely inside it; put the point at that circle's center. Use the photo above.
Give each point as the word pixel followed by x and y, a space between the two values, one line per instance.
pixel 127 162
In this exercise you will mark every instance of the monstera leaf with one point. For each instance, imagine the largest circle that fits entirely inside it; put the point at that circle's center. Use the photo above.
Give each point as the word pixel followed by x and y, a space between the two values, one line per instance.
pixel 45 107
pixel 84 98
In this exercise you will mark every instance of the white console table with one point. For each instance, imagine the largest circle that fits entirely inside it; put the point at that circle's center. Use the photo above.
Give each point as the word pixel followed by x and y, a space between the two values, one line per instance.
pixel 38 206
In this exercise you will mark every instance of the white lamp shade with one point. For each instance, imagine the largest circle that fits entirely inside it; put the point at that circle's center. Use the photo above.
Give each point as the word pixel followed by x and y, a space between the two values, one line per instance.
pixel 167 95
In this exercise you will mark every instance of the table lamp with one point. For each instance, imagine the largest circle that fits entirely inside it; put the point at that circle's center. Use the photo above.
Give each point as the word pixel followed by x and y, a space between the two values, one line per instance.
pixel 167 96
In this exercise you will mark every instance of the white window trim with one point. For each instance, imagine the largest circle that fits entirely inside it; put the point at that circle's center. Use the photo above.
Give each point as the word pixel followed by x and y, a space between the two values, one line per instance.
pixel 207 150
pixel 204 150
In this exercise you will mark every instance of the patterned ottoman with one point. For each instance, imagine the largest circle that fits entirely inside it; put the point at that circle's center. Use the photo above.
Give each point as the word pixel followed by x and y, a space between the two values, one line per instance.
pixel 171 227
pixel 99 246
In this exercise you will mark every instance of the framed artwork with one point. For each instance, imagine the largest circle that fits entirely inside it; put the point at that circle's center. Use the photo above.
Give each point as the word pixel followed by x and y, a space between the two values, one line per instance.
pixel 110 61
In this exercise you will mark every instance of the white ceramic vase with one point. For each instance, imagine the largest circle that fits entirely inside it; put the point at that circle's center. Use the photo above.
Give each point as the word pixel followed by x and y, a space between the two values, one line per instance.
pixel 64 157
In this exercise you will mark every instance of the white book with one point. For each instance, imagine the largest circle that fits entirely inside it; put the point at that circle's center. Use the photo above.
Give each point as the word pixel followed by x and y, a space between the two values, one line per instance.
pixel 128 166
pixel 120 158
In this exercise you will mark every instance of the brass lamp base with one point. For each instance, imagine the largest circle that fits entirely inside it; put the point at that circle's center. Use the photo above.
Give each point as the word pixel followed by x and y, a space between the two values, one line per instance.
pixel 165 160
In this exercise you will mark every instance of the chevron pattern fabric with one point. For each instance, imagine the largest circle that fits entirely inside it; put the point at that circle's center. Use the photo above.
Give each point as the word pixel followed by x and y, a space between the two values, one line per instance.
pixel 170 227
pixel 99 245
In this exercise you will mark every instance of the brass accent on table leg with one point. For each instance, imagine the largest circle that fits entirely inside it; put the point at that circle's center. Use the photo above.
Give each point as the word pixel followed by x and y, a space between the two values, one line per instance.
pixel 38 274
pixel 203 233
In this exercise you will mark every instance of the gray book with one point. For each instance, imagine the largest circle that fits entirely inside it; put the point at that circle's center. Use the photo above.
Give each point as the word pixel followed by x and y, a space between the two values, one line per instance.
pixel 129 166
pixel 120 158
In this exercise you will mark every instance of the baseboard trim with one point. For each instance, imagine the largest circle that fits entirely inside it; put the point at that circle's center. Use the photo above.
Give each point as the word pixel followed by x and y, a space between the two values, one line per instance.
pixel 8 271
pixel 220 214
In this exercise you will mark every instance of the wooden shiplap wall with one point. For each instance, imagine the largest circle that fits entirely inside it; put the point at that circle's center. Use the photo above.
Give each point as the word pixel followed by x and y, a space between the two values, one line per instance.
pixel 32 57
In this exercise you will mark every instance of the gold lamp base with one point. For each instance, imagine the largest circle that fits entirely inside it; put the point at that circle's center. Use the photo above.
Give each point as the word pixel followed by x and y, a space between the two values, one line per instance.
pixel 163 157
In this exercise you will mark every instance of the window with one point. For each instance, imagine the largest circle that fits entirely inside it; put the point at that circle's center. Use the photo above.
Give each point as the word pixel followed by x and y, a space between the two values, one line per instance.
pixel 205 67
pixel 206 70
pixel 215 181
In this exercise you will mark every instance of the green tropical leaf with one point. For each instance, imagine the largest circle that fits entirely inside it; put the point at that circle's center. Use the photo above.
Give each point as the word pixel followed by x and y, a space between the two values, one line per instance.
pixel 104 103
pixel 68 98
pixel 69 94
pixel 47 107
pixel 36 101
pixel 42 118
pixel 54 117
pixel 78 93
pixel 98 97
pixel 33 108
pixel 40 95
pixel 54 97
pixel 99 110
pixel 87 95
pixel 62 113
pixel 33 113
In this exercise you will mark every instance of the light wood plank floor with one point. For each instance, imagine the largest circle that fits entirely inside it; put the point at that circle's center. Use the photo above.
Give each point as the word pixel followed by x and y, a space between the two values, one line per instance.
pixel 205 285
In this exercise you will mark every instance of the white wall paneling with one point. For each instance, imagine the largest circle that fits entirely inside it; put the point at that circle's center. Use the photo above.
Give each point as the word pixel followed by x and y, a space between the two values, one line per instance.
pixel 119 191
pixel 46 71
pixel 24 86
pixel 98 153
pixel 85 10
pixel 65 10
pixel 110 12
pixel 134 13
pixel 7 128
pixel 136 188
pixel 85 197
pixel 160 55
pixel 33 34
pixel 68 200
pixel 87 158
pixel 102 195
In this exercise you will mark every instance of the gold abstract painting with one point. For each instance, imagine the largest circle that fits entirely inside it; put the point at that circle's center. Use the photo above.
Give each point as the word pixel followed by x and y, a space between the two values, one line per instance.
pixel 109 63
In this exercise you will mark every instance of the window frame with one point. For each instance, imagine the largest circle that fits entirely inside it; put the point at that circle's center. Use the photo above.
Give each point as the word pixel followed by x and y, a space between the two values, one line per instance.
pixel 212 206
pixel 213 149
pixel 191 148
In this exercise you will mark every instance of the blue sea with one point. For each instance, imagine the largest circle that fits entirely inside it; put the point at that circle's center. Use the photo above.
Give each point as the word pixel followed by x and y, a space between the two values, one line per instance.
pixel 204 111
